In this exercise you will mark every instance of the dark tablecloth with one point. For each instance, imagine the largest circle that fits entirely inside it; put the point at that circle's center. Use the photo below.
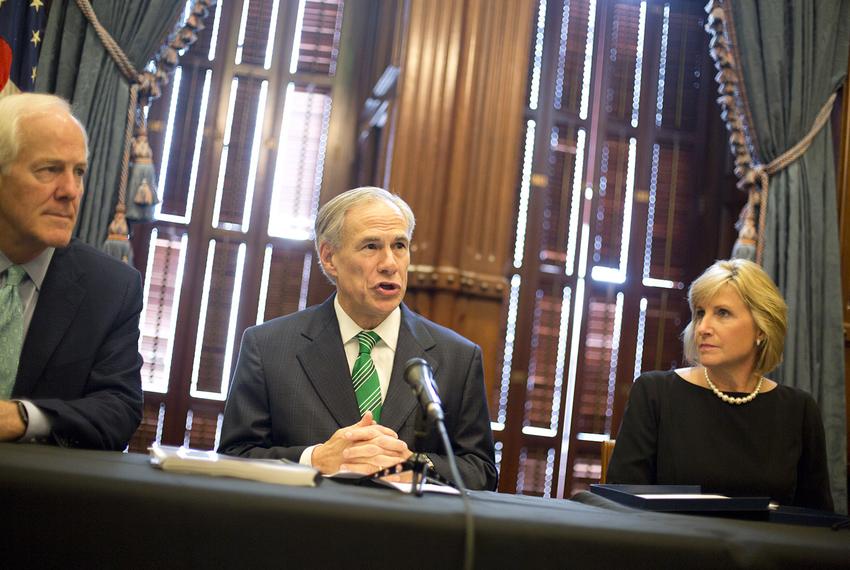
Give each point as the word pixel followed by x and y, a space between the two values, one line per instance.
pixel 71 508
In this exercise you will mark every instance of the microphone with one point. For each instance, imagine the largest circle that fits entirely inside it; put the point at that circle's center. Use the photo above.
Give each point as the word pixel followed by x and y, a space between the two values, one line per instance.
pixel 420 377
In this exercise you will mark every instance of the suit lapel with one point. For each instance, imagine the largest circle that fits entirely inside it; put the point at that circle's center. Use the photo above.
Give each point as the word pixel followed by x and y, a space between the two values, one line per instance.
pixel 58 302
pixel 324 363
pixel 414 340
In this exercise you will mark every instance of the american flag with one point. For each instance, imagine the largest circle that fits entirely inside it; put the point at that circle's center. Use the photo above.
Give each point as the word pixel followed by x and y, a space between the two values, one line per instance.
pixel 21 33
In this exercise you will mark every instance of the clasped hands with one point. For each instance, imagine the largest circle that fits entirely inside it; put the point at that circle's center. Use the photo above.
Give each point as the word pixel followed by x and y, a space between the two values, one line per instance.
pixel 365 447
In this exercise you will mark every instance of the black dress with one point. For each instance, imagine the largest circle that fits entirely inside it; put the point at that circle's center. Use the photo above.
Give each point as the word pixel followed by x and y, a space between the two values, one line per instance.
pixel 678 433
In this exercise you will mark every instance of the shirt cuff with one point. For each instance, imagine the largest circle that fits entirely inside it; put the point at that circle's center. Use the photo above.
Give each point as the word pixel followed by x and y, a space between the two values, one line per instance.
pixel 307 456
pixel 38 426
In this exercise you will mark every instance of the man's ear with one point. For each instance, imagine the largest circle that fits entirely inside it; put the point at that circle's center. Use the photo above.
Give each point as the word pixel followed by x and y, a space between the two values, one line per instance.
pixel 326 253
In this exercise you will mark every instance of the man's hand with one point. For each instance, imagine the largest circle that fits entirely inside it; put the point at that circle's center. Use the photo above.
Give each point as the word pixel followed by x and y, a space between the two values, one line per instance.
pixel 364 447
pixel 11 426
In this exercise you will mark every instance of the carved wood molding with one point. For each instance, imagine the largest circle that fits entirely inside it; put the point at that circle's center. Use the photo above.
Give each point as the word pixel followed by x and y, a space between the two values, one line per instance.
pixel 445 278
pixel 458 128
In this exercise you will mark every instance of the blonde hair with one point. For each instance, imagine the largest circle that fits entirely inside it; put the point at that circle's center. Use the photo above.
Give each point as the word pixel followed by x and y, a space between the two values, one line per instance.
pixel 331 217
pixel 759 294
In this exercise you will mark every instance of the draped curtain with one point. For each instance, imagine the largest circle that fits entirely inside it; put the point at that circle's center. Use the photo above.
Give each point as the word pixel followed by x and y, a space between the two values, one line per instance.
pixel 792 57
pixel 75 65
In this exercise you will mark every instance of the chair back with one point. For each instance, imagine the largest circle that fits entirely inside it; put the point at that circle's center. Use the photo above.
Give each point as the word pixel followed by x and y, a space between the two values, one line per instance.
pixel 607 450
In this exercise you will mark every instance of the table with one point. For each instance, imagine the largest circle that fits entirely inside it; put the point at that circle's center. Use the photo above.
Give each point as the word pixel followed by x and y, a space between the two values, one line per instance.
pixel 73 508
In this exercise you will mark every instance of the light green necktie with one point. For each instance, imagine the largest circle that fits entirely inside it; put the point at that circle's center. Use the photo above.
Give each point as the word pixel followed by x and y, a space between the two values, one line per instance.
pixel 11 329
pixel 367 388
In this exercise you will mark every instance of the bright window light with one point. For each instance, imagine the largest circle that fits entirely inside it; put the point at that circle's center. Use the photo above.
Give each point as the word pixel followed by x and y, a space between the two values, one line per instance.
pixel 510 332
pixel 231 323
pixel 638 66
pixel 588 61
pixel 578 173
pixel 618 274
pixel 243 23
pixel 662 283
pixel 524 193
pixel 593 436
pixel 560 358
pixel 305 281
pixel 650 213
pixel 534 88
pixel 264 284
pixel 562 55
pixel 202 322
pixel 255 157
pixel 169 134
pixel 267 64
pixel 578 311
pixel 662 66
pixel 539 431
pixel 641 332
pixel 216 23
pixel 225 150
pixel 612 367
pixel 296 42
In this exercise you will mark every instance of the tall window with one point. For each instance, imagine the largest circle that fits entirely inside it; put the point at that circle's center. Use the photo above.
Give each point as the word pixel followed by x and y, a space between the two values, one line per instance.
pixel 608 212
pixel 240 136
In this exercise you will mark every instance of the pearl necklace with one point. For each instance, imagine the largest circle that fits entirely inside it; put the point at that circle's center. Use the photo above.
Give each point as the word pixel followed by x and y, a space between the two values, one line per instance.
pixel 730 399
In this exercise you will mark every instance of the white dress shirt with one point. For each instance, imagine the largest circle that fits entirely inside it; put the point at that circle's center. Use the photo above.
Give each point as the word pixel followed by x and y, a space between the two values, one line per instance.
pixel 383 353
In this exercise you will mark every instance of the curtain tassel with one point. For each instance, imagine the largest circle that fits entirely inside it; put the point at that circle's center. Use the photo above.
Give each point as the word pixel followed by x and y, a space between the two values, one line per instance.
pixel 747 243
pixel 118 243
pixel 142 179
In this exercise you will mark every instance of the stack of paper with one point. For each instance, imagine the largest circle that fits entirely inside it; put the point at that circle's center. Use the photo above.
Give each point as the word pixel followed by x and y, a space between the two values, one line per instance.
pixel 185 460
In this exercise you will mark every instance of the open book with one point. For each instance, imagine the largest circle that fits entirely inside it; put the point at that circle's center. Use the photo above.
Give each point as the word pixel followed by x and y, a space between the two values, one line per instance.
pixel 185 460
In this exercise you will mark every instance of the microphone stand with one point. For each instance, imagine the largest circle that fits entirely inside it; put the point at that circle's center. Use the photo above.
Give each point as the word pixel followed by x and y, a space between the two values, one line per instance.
pixel 418 462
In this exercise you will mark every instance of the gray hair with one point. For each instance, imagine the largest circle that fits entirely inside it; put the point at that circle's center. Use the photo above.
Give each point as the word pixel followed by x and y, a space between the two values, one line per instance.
pixel 15 108
pixel 331 217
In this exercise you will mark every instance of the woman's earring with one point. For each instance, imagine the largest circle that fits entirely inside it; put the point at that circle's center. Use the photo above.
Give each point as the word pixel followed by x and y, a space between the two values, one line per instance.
pixel 758 342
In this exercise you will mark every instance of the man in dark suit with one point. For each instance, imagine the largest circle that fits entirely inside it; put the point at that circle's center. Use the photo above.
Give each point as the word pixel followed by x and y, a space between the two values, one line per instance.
pixel 309 386
pixel 69 314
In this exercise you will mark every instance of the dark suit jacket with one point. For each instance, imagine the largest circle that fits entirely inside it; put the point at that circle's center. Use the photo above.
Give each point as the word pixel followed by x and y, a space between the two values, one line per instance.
pixel 292 389
pixel 80 361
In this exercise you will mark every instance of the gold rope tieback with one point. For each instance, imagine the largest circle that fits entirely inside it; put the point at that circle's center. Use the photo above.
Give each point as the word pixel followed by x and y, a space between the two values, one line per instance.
pixel 762 173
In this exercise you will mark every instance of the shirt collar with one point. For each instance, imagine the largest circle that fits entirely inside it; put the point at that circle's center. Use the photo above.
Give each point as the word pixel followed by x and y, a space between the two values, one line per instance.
pixel 387 330
pixel 36 268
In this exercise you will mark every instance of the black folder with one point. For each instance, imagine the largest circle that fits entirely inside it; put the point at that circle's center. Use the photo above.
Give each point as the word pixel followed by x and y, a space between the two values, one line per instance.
pixel 677 498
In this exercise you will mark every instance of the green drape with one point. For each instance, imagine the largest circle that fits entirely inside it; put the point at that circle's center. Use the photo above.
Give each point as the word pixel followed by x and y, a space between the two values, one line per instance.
pixel 75 65
pixel 793 56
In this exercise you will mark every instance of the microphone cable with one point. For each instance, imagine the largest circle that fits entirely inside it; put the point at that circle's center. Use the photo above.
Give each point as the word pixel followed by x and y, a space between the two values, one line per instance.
pixel 469 520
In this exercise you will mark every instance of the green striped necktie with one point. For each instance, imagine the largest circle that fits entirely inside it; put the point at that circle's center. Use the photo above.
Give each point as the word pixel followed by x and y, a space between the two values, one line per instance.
pixel 367 388
pixel 11 329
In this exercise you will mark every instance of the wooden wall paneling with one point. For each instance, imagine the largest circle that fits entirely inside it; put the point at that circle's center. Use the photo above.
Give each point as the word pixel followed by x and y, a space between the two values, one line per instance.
pixel 507 156
pixel 454 158
pixel 496 193
pixel 461 156
pixel 421 149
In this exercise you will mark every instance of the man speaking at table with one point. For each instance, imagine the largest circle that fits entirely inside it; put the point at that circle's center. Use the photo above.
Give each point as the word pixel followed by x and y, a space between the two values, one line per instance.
pixel 69 314
pixel 325 386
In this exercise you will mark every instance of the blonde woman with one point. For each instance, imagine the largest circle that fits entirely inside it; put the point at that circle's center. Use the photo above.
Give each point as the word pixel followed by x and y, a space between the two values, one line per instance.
pixel 721 423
